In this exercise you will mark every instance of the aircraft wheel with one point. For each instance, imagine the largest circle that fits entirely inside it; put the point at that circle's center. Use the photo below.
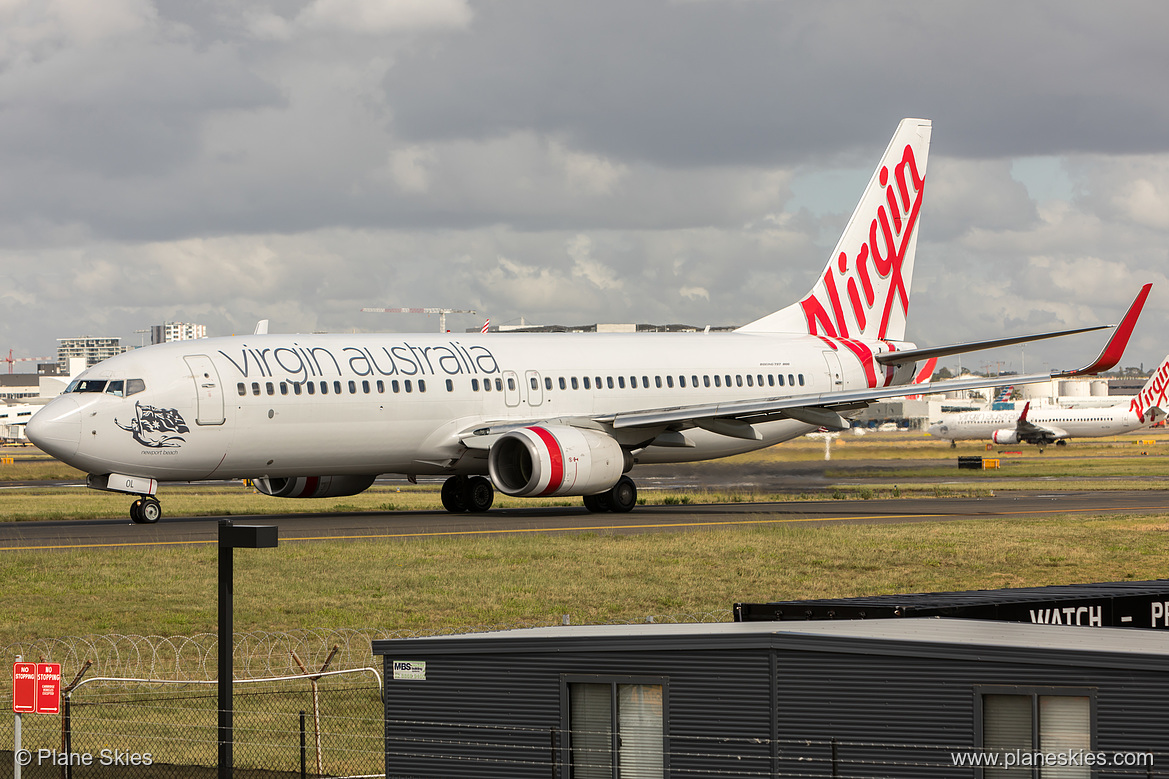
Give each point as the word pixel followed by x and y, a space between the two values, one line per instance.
pixel 452 494
pixel 136 512
pixel 597 503
pixel 623 495
pixel 151 511
pixel 478 494
pixel 1061 442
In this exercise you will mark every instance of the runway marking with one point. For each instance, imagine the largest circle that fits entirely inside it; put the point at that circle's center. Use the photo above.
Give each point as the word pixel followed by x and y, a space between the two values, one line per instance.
pixel 502 531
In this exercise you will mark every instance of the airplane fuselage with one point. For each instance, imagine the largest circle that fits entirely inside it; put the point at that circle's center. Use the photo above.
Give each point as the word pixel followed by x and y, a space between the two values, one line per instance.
pixel 289 406
pixel 1061 423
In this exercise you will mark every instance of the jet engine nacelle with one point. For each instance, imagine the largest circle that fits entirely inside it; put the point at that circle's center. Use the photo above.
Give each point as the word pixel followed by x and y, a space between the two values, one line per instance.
pixel 555 460
pixel 314 486
pixel 1006 436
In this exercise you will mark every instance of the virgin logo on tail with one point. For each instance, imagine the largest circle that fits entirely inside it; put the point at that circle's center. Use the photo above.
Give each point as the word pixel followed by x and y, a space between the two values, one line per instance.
pixel 881 257
pixel 1155 393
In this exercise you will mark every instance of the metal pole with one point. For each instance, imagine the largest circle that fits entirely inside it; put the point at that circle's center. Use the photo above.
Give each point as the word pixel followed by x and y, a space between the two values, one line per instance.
pixel 226 576
pixel 16 737
pixel 302 751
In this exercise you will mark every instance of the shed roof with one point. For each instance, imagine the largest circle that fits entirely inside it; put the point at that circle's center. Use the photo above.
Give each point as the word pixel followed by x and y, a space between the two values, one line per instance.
pixel 915 636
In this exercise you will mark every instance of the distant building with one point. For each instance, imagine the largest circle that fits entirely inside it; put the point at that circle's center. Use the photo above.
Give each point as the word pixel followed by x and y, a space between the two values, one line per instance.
pixel 93 349
pixel 176 331
pixel 602 328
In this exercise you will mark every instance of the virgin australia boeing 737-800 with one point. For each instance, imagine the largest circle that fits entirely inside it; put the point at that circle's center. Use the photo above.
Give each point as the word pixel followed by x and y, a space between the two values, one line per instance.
pixel 532 415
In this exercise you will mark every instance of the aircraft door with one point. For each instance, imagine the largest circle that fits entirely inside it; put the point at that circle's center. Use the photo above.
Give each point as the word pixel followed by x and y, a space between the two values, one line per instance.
pixel 511 388
pixel 535 392
pixel 207 389
pixel 835 373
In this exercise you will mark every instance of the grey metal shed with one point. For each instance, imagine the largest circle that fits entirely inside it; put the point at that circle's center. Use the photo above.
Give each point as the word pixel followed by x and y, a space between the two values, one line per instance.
pixel 888 698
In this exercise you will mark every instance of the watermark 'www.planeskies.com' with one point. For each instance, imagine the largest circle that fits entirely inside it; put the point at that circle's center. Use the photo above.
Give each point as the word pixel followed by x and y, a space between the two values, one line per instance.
pixel 1025 758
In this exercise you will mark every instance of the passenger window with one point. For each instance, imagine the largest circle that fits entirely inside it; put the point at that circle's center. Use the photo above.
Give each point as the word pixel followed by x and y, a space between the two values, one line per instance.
pixel 296 388
pixel 770 381
pixel 574 384
pixel 759 379
pixel 670 382
pixel 717 381
pixel 241 389
pixel 609 382
pixel 510 384
pixel 336 388
pixel 632 382
pixel 365 387
pixel 474 385
pixel 352 388
pixel 270 388
pixel 706 381
pixel 599 385
pixel 694 381
pixel 450 387
pixel 548 383
pixel 750 380
pixel 682 381
pixel 781 379
pixel 324 388
pixel 283 388
pixel 728 378
pixel 645 382
pixel 620 382
pixel 421 385
pixel 791 380
pixel 134 386
pixel 487 385
pixel 311 387
pixel 563 384
pixel 394 386
pixel 658 382
pixel 535 385
pixel 586 383
pixel 381 387
pixel 255 388
pixel 408 386
pixel 801 379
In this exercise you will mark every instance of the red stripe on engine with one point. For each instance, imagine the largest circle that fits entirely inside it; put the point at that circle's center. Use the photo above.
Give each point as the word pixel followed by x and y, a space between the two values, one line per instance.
pixel 310 486
pixel 555 460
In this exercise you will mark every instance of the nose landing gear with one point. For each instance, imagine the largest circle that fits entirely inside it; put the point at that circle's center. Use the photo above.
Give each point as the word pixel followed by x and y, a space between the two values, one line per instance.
pixel 146 511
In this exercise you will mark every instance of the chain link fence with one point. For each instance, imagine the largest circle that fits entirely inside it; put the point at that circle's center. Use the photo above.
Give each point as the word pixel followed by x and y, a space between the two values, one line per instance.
pixel 306 703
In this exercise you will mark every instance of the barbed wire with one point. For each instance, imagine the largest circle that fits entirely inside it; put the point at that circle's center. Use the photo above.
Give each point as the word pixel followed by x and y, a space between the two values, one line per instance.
pixel 257 653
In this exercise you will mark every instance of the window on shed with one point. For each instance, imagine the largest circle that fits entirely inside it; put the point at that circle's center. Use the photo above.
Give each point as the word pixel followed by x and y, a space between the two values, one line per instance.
pixel 1035 722
pixel 616 730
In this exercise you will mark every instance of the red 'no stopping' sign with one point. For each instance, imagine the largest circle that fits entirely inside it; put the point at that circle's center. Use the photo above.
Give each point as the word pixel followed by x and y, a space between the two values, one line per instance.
pixel 36 688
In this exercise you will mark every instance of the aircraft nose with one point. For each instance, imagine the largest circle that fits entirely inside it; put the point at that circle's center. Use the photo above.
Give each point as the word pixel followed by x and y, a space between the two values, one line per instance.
pixel 56 428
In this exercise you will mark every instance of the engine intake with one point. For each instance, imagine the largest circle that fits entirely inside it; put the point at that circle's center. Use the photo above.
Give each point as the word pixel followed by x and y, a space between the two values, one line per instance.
pixel 1005 436
pixel 555 460
pixel 314 486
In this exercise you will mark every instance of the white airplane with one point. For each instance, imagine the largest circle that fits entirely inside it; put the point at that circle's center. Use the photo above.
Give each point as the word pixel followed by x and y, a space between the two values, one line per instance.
pixel 1045 426
pixel 307 416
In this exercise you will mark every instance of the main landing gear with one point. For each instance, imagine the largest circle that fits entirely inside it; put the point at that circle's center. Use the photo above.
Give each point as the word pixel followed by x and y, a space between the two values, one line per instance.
pixel 621 497
pixel 467 493
pixel 146 511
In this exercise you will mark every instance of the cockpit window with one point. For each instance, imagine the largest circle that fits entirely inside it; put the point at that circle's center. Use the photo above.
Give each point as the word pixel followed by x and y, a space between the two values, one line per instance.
pixel 116 388
pixel 90 385
pixel 134 386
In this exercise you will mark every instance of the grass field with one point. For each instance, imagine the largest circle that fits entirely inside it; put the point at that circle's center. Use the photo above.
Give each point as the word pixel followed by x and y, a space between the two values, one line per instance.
pixel 437 584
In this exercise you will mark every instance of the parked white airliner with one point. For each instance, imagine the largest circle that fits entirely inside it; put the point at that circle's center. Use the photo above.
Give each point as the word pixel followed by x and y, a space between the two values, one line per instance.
pixel 1045 426
pixel 549 414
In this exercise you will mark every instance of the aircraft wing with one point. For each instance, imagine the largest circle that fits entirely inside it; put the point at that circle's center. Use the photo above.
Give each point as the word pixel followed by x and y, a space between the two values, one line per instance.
pixel 824 409
pixel 735 418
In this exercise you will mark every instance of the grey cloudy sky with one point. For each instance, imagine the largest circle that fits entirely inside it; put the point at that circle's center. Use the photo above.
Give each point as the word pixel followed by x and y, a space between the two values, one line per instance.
pixel 573 161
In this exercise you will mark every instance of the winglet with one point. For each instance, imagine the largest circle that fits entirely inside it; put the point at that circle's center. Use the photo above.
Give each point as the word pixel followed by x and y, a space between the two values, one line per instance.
pixel 1026 408
pixel 1114 349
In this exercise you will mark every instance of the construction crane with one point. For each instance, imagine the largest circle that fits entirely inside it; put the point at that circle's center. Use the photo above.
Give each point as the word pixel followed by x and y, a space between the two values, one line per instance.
pixel 11 360
pixel 442 312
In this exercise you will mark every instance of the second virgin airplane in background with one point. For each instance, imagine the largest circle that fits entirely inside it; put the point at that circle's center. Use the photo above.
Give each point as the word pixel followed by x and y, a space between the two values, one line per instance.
pixel 307 416
pixel 1044 426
